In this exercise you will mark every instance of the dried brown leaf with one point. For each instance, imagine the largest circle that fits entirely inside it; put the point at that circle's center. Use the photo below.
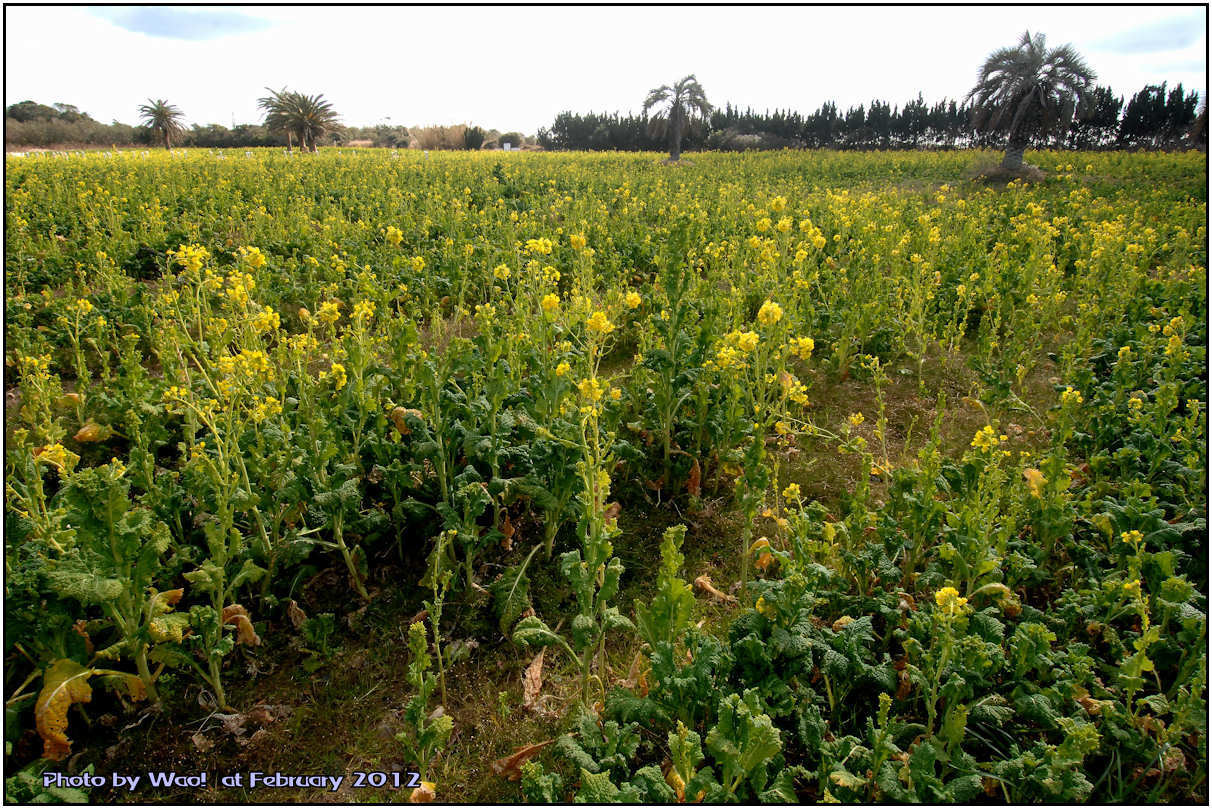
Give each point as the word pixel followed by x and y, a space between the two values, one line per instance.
pixel 237 615
pixel 296 614
pixel 424 793
pixel 510 767
pixel 704 583
pixel 532 681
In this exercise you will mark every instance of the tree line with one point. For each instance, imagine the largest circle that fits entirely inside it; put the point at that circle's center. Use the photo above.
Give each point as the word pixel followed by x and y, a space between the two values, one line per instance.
pixel 1154 117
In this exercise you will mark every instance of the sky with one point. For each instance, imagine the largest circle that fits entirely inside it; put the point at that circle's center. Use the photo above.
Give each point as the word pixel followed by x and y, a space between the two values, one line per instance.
pixel 514 68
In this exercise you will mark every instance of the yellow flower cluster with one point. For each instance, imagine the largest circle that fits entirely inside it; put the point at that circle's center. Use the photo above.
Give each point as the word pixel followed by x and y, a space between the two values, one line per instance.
pixel 264 407
pixel 539 246
pixel 394 235
pixel 577 241
pixel 770 313
pixel 363 310
pixel 266 320
pixel 802 347
pixel 951 602
pixel 500 272
pixel 986 438
pixel 791 492
pixel 599 324
pixel 252 257
pixel 562 369
pixel 418 263
pixel 190 256
pixel 239 286
pixel 633 299
pixel 58 456
pixel 590 388
pixel 329 312
pixel 339 377
pixel 1071 397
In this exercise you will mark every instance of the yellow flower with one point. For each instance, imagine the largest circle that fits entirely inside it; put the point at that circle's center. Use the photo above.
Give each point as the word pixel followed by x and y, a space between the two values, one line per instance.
pixel 329 312
pixel 986 438
pixel 763 224
pixel 770 313
pixel 252 257
pixel 590 389
pixel 577 241
pixel 784 225
pixel 778 204
pixel 802 347
pixel 190 256
pixel 818 241
pixel 950 602
pixel 598 324
pixel 338 376
pixel 766 608
pixel 266 320
pixel 562 369
pixel 1125 354
pixel 856 419
pixel 1132 537
pixel 418 263
pixel 501 272
pixel 616 394
pixel 394 236
pixel 58 456
pixel 363 310
pixel 550 302
pixel 542 246
pixel 792 492
pixel 633 299
pixel 747 341
pixel 1071 397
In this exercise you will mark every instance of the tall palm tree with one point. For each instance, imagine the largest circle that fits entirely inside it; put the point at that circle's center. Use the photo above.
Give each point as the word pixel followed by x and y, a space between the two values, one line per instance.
pixel 164 118
pixel 275 105
pixel 681 108
pixel 1035 87
pixel 306 117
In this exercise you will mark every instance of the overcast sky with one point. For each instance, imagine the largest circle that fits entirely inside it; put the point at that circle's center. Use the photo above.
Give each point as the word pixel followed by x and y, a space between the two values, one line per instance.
pixel 516 68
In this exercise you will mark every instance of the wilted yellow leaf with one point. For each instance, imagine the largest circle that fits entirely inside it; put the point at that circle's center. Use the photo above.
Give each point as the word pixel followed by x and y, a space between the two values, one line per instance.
pixel 1035 480
pixel 65 683
pixel 236 614
pixel 93 432
pixel 424 793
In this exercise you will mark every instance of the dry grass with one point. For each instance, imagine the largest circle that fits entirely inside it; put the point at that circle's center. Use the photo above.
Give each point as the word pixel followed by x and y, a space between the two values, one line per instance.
pixel 438 137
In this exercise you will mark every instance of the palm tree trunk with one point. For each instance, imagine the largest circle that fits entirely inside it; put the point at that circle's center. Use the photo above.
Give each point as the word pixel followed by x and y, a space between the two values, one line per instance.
pixel 1016 143
pixel 290 142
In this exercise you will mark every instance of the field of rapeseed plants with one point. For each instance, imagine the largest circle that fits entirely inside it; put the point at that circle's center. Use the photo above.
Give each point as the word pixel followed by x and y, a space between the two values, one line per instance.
pixel 937 449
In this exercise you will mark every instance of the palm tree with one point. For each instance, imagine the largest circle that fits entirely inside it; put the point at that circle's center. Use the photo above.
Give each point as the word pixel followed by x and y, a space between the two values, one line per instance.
pixel 1036 88
pixel 298 114
pixel 162 117
pixel 683 107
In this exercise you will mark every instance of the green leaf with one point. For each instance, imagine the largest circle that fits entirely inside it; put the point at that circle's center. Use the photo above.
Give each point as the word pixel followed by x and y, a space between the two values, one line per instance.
pixel 597 788
pixel 743 739
pixel 510 596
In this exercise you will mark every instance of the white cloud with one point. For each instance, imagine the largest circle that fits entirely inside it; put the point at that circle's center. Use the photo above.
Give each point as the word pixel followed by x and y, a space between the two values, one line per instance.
pixel 517 67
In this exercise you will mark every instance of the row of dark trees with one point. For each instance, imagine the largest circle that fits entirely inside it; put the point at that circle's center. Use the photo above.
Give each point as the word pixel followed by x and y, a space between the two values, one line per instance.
pixel 1152 118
